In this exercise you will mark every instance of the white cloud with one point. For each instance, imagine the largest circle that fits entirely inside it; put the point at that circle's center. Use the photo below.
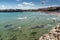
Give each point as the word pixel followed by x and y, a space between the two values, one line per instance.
pixel 49 6
pixel 53 5
pixel 26 5
pixel 19 5
pixel 7 7
pixel 2 7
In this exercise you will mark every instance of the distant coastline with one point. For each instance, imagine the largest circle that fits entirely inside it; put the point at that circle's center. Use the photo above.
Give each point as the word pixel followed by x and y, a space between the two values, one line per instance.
pixel 48 9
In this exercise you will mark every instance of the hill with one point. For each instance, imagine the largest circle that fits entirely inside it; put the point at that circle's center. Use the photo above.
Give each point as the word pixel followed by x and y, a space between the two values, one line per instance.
pixel 48 9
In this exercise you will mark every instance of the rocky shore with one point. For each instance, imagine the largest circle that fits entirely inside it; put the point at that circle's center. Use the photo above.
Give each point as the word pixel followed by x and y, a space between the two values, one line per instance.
pixel 54 34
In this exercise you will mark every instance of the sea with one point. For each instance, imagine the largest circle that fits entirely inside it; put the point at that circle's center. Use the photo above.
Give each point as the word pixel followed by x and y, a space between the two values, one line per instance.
pixel 26 18
pixel 21 24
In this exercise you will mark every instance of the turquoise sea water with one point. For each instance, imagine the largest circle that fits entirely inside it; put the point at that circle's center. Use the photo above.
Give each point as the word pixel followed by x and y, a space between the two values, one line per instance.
pixel 26 20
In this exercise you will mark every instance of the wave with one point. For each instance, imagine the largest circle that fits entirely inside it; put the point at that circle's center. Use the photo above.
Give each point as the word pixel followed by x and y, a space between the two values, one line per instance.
pixel 22 18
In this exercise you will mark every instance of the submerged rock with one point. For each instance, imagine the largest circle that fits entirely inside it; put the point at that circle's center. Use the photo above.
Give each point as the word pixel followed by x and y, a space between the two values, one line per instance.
pixel 8 25
pixel 41 26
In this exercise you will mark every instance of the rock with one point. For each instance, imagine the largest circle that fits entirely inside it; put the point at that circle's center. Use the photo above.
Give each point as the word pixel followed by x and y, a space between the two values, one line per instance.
pixel 8 25
pixel 41 26
pixel 54 34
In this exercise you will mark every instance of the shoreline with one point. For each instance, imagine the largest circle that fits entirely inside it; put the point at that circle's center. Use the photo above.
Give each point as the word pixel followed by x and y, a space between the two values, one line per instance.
pixel 53 13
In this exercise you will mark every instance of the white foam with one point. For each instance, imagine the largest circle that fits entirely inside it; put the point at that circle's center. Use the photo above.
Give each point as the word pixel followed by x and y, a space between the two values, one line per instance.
pixel 54 18
pixel 22 18
pixel 48 18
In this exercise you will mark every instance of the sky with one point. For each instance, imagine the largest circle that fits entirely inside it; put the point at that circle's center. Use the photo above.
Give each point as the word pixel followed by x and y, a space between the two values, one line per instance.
pixel 27 4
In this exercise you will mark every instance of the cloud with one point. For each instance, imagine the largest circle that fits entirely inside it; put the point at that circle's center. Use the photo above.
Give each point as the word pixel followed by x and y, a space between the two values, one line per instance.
pixel 52 5
pixel 26 5
pixel 2 7
pixel 7 7
pixel 49 6
pixel 19 5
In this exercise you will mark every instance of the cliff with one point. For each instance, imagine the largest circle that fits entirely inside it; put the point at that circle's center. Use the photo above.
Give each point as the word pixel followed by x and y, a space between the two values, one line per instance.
pixel 54 34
